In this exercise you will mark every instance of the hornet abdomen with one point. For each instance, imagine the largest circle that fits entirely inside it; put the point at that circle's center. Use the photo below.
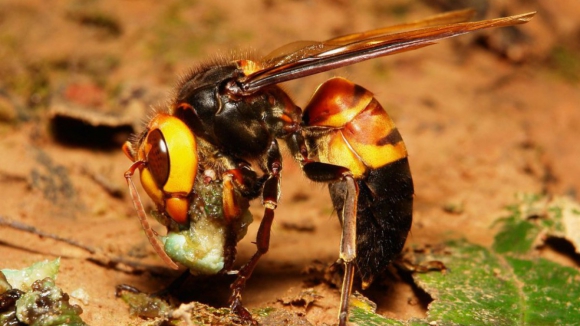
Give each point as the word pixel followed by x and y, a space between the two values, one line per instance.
pixel 354 131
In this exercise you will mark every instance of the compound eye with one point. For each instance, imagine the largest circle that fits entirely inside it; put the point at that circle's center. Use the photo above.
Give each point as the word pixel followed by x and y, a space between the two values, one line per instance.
pixel 158 157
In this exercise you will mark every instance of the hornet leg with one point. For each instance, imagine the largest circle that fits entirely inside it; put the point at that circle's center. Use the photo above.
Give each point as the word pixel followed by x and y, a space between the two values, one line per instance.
pixel 330 173
pixel 270 196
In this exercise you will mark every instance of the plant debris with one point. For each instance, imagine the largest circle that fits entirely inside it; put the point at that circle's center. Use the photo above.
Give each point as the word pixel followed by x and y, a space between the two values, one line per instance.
pixel 30 297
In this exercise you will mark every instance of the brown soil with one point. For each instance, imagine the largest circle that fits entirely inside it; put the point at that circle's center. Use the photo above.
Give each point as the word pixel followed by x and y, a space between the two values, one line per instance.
pixel 483 118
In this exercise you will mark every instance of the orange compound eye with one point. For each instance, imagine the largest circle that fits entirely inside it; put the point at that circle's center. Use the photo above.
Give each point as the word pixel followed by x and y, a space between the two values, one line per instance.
pixel 170 156
pixel 158 158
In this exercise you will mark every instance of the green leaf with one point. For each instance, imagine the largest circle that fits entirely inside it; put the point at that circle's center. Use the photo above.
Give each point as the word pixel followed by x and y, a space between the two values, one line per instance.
pixel 486 288
pixel 477 289
pixel 518 236
pixel 534 218
pixel 550 292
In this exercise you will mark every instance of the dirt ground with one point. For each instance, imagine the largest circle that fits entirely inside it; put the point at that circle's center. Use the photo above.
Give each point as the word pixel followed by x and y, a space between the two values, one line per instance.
pixel 484 117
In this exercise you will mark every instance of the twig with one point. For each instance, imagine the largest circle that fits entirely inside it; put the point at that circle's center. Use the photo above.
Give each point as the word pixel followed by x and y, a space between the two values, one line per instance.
pixel 96 255
pixel 113 190
pixel 31 229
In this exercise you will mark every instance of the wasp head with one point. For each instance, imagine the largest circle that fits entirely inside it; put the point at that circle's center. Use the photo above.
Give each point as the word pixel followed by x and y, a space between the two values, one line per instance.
pixel 166 157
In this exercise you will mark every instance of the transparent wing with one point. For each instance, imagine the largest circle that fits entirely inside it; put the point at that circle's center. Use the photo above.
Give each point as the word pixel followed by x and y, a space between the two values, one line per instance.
pixel 300 59
pixel 300 49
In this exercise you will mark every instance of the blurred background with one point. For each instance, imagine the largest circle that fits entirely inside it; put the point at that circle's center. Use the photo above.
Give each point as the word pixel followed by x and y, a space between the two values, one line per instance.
pixel 484 116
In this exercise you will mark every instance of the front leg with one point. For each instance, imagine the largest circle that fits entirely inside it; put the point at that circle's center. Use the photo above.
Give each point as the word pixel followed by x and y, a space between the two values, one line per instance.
pixel 270 196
